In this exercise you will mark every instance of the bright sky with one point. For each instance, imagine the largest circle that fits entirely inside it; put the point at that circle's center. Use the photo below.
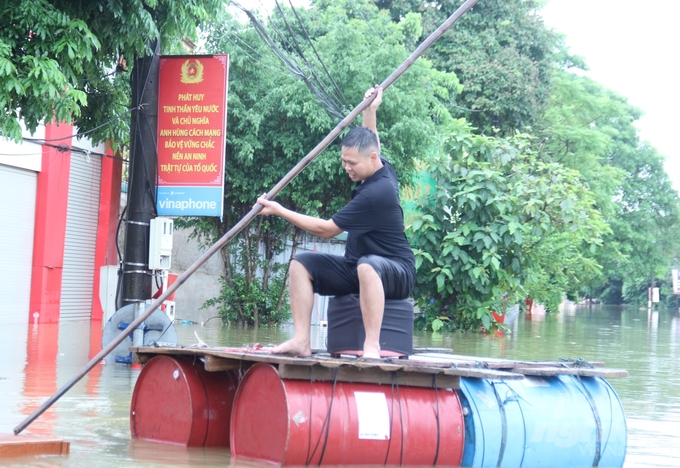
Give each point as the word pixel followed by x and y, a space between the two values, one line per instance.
pixel 633 48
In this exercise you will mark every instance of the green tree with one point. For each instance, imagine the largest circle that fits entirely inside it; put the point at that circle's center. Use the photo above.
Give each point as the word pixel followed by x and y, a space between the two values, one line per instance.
pixel 70 59
pixel 499 225
pixel 502 53
pixel 645 226
pixel 591 129
pixel 277 114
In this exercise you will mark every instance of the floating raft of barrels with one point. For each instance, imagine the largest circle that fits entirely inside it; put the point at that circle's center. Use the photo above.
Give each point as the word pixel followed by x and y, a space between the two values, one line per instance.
pixel 433 408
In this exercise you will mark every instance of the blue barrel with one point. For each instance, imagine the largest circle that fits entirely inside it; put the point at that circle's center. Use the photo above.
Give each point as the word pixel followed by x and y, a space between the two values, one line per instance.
pixel 560 421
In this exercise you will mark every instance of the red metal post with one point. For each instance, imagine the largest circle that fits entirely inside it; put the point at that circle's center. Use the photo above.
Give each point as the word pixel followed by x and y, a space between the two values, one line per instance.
pixel 50 227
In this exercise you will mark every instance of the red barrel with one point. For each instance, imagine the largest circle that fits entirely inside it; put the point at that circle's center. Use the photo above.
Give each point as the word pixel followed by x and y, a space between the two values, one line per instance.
pixel 176 401
pixel 300 422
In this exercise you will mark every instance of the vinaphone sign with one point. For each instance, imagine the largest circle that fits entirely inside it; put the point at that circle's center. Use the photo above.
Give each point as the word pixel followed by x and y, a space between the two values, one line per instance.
pixel 192 117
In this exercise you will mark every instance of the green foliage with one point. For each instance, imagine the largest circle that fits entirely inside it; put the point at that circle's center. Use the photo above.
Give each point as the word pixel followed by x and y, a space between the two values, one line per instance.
pixel 646 223
pixel 502 53
pixel 253 288
pixel 495 226
pixel 591 129
pixel 67 60
pixel 276 118
pixel 243 302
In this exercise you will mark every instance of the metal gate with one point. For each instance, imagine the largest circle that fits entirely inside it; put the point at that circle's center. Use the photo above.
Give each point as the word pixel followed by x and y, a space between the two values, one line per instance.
pixel 82 215
pixel 17 220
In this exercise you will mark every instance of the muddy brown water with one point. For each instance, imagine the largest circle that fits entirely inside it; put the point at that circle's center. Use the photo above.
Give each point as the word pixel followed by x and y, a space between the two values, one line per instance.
pixel 36 360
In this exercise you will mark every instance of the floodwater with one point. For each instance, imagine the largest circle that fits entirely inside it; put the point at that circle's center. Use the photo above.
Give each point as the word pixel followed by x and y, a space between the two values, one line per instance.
pixel 36 360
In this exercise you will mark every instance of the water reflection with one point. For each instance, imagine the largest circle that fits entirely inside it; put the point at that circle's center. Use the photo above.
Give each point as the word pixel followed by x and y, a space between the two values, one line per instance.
pixel 142 452
pixel 37 359
pixel 40 373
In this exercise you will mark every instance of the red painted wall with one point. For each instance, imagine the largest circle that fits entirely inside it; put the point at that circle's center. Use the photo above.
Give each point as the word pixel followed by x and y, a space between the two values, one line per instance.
pixel 109 206
pixel 50 227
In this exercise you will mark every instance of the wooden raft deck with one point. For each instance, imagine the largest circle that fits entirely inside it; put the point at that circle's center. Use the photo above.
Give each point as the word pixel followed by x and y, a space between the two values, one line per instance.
pixel 429 368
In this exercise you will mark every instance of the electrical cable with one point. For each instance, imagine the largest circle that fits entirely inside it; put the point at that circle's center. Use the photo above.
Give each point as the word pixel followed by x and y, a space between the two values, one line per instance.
pixel 314 84
pixel 150 185
pixel 345 104
pixel 120 258
pixel 336 104
pixel 360 13
pixel 20 154
pixel 326 424
pixel 235 38
pixel 79 134
pixel 264 35
pixel 64 149
pixel 154 343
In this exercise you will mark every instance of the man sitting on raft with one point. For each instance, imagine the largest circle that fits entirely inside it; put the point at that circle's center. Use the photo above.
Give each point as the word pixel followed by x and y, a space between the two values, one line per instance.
pixel 378 263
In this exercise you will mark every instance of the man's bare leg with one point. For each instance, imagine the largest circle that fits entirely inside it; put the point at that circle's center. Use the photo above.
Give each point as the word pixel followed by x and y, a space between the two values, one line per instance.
pixel 301 303
pixel 372 299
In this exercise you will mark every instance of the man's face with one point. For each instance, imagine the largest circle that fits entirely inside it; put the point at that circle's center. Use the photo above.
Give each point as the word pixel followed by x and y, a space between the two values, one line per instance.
pixel 358 167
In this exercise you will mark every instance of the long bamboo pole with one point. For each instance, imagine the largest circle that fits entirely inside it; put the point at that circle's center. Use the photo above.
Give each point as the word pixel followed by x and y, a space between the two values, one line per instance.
pixel 249 217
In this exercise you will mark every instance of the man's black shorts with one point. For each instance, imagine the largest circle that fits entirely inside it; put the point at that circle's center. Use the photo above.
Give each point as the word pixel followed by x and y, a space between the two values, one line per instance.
pixel 333 276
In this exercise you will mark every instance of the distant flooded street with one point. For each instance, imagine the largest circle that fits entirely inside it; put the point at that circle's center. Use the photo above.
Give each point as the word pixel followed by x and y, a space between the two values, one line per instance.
pixel 94 415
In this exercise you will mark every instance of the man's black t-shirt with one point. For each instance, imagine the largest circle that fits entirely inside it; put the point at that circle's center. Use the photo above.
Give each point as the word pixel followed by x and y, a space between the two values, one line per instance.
pixel 374 220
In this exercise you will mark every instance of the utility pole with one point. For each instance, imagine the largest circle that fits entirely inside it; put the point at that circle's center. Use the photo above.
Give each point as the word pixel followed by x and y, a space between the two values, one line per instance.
pixel 141 204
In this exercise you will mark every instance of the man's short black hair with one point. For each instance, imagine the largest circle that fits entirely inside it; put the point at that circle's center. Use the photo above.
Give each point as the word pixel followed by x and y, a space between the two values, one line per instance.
pixel 363 139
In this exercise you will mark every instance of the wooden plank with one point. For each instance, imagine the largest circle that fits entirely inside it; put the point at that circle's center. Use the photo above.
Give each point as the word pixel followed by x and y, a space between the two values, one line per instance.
pixel 580 371
pixel 366 375
pixel 142 355
pixel 266 357
pixel 546 371
pixel 218 364
pixel 417 350
pixel 229 353
pixel 461 361
pixel 420 369
pixel 604 373
pixel 480 373
pixel 152 350
pixel 332 364
pixel 415 365
pixel 564 363
pixel 494 363
pixel 382 365
pixel 24 446
pixel 426 365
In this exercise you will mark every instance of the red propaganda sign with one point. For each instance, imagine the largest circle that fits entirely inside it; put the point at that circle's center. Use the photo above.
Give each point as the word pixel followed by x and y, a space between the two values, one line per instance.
pixel 192 126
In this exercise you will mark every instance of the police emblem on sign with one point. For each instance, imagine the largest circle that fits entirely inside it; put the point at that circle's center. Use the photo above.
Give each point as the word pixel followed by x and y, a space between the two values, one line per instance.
pixel 192 72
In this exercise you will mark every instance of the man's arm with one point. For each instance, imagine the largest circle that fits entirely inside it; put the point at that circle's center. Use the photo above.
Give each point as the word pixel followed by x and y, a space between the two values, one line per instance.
pixel 319 227
pixel 369 119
